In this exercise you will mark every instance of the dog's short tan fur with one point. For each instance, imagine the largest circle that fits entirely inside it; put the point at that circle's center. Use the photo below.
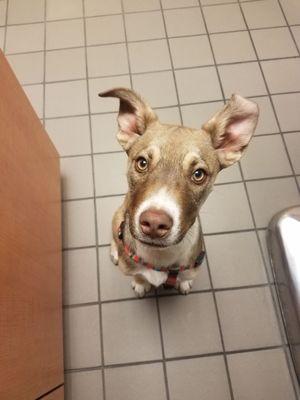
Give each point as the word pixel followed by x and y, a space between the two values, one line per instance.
pixel 172 153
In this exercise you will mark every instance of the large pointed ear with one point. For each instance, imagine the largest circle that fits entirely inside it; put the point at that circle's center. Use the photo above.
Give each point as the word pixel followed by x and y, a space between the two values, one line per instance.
pixel 232 128
pixel 134 115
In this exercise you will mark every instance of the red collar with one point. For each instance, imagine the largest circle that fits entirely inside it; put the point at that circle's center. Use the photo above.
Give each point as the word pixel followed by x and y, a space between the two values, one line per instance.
pixel 171 270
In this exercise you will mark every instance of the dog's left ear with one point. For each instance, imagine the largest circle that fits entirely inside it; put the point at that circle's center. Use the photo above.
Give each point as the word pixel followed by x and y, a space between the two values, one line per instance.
pixel 134 115
pixel 232 128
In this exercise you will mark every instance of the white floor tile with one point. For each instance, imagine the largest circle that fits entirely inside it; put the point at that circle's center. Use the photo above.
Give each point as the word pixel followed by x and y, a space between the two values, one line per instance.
pixel 76 177
pixel 268 197
pixel 223 18
pixel 184 22
pixel 57 9
pixel 80 276
pixel 83 385
pixel 104 130
pixel 265 157
pixel 110 174
pixel 82 337
pixel 29 68
pixel 263 14
pixel 71 136
pixel 104 30
pixel 203 378
pixel 78 223
pixel 66 99
pixel 144 26
pixel 107 60
pixel 23 38
pixel 157 87
pixel 21 12
pixel 239 267
pixel 61 34
pixel 226 209
pixel 248 318
pixel 65 64
pixel 260 375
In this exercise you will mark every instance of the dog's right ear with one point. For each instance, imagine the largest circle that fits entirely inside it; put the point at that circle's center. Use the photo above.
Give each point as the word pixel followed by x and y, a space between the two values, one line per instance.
pixel 134 115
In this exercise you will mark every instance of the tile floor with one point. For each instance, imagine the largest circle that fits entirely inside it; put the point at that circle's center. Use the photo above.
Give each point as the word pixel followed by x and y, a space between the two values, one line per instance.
pixel 225 340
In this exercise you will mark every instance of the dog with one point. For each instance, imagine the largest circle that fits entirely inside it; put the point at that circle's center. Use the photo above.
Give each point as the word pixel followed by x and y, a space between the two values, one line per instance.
pixel 156 232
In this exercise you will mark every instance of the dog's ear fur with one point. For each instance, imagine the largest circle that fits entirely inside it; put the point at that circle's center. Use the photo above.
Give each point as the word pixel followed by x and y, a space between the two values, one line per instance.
pixel 232 128
pixel 134 115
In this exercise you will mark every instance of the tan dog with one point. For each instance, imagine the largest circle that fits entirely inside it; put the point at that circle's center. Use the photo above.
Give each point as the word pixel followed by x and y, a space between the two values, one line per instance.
pixel 171 170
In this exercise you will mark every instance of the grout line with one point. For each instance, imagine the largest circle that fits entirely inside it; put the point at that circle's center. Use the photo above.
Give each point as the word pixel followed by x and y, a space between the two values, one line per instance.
pixel 105 196
pixel 44 66
pixel 220 331
pixel 156 71
pixel 159 295
pixel 270 97
pixel 5 27
pixel 283 138
pixel 289 27
pixel 171 60
pixel 97 153
pixel 277 313
pixel 95 211
pixel 205 234
pixel 157 303
pixel 149 40
pixel 118 14
pixel 288 356
pixel 179 358
pixel 208 266
pixel 173 106
pixel 126 44
pixel 162 349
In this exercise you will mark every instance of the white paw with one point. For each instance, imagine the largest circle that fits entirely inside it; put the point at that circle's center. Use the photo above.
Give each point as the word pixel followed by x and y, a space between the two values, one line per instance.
pixel 185 287
pixel 140 289
pixel 114 256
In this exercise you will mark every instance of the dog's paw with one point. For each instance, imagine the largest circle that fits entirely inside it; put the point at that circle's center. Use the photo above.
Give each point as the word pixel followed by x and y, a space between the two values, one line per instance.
pixel 114 256
pixel 185 287
pixel 140 289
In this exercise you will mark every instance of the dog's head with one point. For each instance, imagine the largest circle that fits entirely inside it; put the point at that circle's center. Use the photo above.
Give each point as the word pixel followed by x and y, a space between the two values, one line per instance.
pixel 171 168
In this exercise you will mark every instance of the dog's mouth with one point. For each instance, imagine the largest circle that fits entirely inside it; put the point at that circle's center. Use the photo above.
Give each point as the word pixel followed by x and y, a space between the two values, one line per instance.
pixel 152 243
pixel 161 243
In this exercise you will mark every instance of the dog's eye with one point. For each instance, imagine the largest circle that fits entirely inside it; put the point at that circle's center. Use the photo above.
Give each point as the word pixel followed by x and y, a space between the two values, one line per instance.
pixel 141 164
pixel 199 175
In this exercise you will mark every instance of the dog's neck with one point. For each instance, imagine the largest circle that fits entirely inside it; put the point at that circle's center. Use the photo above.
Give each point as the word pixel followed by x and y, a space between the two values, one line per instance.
pixel 179 253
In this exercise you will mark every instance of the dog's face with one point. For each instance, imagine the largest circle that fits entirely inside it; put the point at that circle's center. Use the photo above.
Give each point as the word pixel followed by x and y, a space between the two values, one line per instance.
pixel 171 169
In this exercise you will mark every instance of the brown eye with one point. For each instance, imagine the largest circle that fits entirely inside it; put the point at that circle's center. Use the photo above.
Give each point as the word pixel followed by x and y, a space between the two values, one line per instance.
pixel 141 164
pixel 199 175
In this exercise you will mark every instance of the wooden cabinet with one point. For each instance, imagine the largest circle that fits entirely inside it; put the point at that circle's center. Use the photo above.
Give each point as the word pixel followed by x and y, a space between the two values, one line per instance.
pixel 31 354
pixel 57 394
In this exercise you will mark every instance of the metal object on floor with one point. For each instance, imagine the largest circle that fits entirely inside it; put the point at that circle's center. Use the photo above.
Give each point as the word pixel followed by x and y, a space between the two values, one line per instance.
pixel 284 248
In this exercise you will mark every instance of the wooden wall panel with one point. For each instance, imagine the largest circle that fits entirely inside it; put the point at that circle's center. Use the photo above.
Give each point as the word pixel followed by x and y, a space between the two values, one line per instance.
pixel 30 249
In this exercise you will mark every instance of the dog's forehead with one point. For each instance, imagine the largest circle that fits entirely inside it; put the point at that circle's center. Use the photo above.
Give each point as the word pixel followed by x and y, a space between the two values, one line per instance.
pixel 176 141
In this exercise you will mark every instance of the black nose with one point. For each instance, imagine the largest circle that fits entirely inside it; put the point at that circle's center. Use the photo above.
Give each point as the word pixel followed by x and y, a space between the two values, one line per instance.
pixel 155 223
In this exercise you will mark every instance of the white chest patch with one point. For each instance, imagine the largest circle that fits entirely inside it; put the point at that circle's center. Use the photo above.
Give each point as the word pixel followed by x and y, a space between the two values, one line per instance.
pixel 178 254
pixel 156 278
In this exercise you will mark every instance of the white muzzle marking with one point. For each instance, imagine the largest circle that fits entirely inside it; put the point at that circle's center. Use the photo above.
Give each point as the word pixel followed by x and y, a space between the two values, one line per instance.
pixel 161 200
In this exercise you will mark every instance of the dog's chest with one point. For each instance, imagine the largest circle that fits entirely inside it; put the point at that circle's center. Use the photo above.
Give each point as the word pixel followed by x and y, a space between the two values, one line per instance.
pixel 179 254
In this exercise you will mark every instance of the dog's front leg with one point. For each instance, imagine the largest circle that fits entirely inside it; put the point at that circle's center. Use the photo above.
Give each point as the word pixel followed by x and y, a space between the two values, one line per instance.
pixel 185 280
pixel 114 252
pixel 140 285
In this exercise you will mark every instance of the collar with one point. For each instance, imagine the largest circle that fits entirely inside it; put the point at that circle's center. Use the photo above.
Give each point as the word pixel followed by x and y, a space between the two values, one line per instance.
pixel 171 270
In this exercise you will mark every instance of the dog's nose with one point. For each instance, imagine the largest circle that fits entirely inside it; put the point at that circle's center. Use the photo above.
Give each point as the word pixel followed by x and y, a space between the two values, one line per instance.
pixel 155 223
